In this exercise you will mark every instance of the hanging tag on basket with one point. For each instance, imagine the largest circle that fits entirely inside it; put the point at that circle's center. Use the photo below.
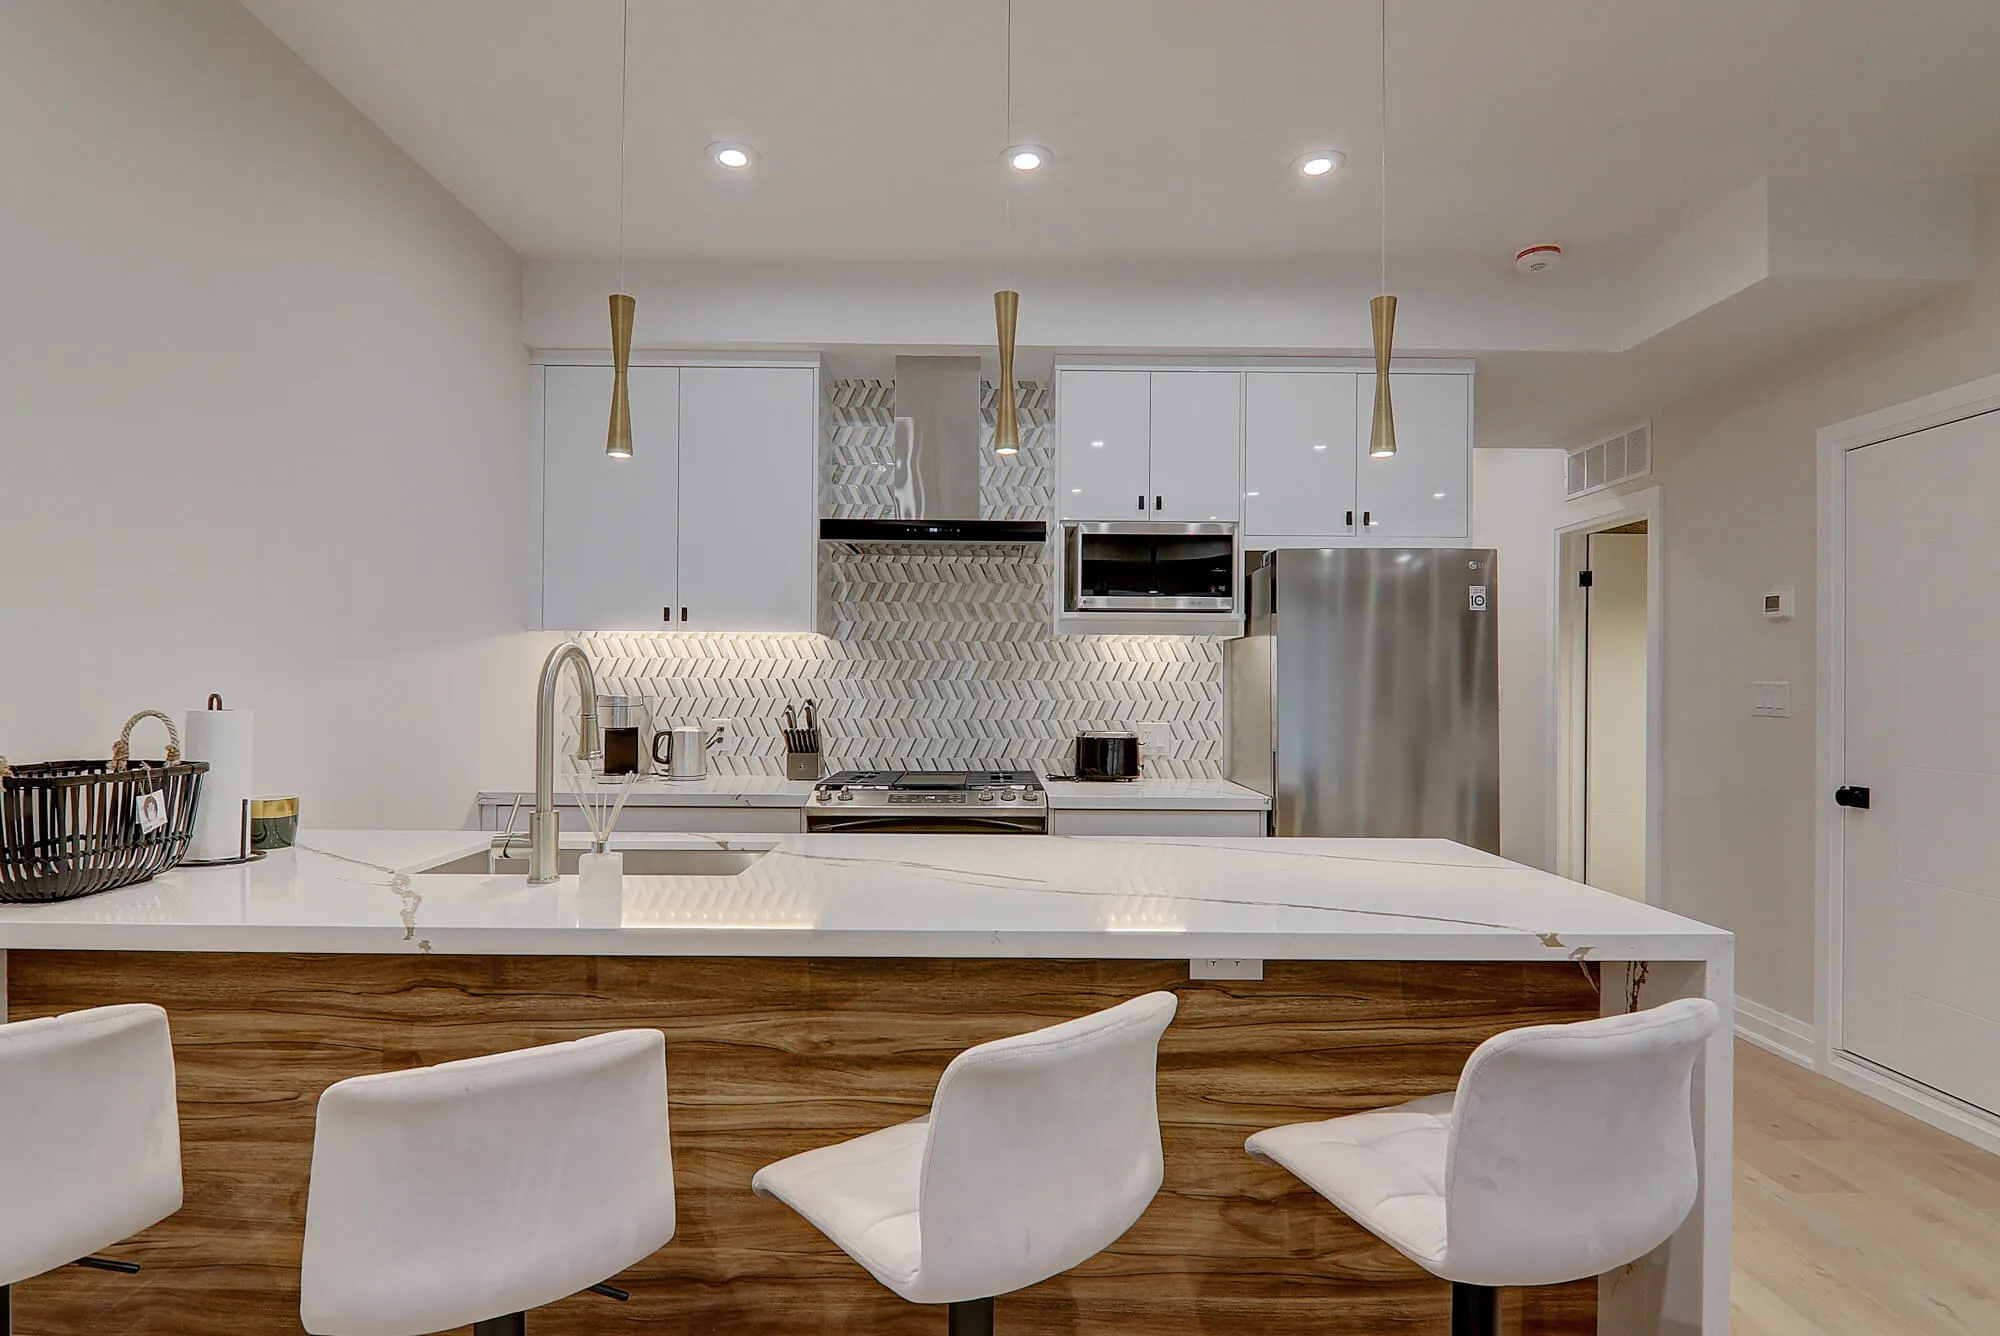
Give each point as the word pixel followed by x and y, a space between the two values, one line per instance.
pixel 151 810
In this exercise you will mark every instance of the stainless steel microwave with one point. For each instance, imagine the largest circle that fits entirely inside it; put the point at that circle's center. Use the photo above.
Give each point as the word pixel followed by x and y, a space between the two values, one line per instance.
pixel 1151 566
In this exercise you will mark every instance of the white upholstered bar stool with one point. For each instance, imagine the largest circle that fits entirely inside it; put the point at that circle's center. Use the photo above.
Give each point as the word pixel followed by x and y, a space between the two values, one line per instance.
pixel 1567 1151
pixel 469 1192
pixel 92 1148
pixel 1038 1152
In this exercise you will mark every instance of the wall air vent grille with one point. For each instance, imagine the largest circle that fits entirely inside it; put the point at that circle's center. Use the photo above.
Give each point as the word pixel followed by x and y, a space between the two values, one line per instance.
pixel 1610 462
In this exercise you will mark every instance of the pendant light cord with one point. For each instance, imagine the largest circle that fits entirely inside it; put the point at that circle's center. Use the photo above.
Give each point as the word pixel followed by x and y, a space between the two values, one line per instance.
pixel 1385 148
pixel 624 73
pixel 1007 177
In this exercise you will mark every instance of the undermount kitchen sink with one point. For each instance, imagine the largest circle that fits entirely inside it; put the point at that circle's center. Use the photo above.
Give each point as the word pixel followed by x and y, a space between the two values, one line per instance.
pixel 638 863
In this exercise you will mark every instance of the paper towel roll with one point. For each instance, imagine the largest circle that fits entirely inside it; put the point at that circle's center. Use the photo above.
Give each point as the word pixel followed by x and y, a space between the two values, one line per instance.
pixel 223 738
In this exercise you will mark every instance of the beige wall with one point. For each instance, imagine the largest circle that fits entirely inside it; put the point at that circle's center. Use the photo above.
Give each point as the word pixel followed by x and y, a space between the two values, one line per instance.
pixel 264 419
pixel 1737 469
pixel 1516 506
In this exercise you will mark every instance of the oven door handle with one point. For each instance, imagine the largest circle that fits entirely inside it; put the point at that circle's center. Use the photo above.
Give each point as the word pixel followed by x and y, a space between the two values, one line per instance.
pixel 898 824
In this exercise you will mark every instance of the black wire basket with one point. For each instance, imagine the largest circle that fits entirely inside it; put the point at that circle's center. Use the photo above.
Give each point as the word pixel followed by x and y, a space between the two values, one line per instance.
pixel 71 828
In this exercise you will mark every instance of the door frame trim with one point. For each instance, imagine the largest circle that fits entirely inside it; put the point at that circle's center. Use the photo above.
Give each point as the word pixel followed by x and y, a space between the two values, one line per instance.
pixel 1974 399
pixel 1608 510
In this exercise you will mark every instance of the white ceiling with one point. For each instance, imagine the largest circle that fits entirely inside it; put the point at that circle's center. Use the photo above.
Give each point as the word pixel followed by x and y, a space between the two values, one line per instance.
pixel 1599 124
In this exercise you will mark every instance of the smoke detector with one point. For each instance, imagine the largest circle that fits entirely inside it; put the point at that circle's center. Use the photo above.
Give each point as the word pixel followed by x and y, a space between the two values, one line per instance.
pixel 1538 259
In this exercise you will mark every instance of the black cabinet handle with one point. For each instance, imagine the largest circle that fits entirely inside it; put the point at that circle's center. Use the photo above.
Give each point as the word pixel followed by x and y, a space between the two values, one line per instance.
pixel 684 614
pixel 1367 518
pixel 1158 502
pixel 666 614
pixel 1851 795
pixel 1350 519
pixel 1142 501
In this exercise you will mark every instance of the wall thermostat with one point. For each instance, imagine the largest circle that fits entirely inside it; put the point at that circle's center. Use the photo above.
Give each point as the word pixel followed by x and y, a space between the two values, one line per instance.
pixel 1778 605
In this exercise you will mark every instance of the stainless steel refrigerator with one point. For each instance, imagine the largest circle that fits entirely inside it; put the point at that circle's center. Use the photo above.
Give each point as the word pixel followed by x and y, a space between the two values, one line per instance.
pixel 1365 699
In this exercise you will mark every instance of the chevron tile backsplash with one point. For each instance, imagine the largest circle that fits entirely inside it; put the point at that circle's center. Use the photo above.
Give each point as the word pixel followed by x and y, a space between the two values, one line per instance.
pixel 933 655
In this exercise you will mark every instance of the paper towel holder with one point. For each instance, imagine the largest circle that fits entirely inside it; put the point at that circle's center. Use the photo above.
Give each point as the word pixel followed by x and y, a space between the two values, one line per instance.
pixel 245 854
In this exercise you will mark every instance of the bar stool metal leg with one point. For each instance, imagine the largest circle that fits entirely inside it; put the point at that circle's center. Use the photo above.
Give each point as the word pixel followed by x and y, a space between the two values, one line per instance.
pixel 514 1324
pixel 1475 1310
pixel 974 1317
pixel 6 1310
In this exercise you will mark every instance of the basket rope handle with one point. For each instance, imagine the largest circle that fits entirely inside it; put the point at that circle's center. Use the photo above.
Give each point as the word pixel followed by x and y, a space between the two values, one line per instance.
pixel 121 751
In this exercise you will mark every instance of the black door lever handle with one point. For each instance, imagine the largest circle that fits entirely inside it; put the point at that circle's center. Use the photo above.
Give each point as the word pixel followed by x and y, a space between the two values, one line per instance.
pixel 1851 795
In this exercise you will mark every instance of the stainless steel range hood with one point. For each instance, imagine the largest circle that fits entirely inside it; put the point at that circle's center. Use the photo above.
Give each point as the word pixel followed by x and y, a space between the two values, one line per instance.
pixel 935 478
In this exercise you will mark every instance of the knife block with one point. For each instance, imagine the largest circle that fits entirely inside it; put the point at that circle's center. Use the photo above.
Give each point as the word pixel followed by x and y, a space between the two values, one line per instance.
pixel 802 765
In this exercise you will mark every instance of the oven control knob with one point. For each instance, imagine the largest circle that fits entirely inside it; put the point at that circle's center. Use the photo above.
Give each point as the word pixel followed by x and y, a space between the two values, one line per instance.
pixel 822 797
pixel 1009 796
pixel 847 797
pixel 986 797
pixel 1031 797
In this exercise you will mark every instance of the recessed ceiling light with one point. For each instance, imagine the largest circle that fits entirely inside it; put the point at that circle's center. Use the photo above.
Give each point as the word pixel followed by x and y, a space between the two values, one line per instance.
pixel 1076 491
pixel 1097 445
pixel 1320 162
pixel 734 156
pixel 1026 157
pixel 1319 447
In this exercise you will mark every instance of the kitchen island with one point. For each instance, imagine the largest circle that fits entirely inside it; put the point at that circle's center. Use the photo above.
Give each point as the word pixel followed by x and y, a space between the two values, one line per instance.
pixel 813 987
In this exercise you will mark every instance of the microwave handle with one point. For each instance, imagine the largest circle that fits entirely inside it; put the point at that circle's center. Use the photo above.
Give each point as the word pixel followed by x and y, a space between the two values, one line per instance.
pixel 1073 560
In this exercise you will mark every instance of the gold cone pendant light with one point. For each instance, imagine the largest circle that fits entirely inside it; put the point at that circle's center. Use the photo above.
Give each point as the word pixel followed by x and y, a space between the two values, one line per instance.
pixel 1006 420
pixel 1382 439
pixel 618 442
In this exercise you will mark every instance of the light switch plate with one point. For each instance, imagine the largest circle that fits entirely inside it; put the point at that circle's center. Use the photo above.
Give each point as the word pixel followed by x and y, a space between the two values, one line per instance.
pixel 1225 967
pixel 1771 700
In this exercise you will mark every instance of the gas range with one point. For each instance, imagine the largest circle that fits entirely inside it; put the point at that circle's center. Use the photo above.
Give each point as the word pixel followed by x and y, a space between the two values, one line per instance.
pixel 986 801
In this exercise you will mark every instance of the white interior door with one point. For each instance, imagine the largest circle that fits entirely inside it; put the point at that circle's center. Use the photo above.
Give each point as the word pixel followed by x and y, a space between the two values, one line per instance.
pixel 608 545
pixel 1920 991
pixel 747 540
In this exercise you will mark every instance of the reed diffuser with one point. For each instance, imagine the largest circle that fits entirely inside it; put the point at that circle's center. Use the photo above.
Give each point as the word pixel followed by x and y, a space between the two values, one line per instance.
pixel 602 868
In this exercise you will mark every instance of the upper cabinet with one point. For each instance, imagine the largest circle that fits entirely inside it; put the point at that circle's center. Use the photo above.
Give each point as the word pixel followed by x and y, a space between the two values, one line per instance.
pixel 1104 439
pixel 748 537
pixel 1298 456
pixel 1149 445
pixel 1284 451
pixel 610 560
pixel 708 527
pixel 1424 490
pixel 1197 445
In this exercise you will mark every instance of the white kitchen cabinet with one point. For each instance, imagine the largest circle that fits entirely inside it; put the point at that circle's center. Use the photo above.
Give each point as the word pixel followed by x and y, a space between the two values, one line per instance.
pixel 1104 443
pixel 609 551
pixel 1423 490
pixel 1197 445
pixel 710 526
pixel 747 534
pixel 1299 453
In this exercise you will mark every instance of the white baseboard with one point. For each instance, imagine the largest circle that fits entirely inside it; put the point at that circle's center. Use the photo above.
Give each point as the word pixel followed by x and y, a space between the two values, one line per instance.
pixel 1787 1036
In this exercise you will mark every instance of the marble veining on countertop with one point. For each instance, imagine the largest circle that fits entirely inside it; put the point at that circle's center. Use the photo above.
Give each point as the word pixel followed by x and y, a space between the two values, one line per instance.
pixel 887 895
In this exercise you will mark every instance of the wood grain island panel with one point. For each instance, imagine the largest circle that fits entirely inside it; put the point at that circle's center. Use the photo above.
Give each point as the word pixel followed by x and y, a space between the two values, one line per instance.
pixel 767 1057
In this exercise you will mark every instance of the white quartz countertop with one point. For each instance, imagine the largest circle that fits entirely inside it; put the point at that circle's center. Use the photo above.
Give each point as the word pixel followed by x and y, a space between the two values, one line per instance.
pixel 1159 795
pixel 714 791
pixel 1154 795
pixel 911 896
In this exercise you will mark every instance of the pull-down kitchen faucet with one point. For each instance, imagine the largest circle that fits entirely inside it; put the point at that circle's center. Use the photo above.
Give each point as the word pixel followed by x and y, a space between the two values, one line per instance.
pixel 542 824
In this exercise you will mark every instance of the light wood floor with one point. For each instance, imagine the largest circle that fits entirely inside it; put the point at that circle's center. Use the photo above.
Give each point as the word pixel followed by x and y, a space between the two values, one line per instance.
pixel 1853 1219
